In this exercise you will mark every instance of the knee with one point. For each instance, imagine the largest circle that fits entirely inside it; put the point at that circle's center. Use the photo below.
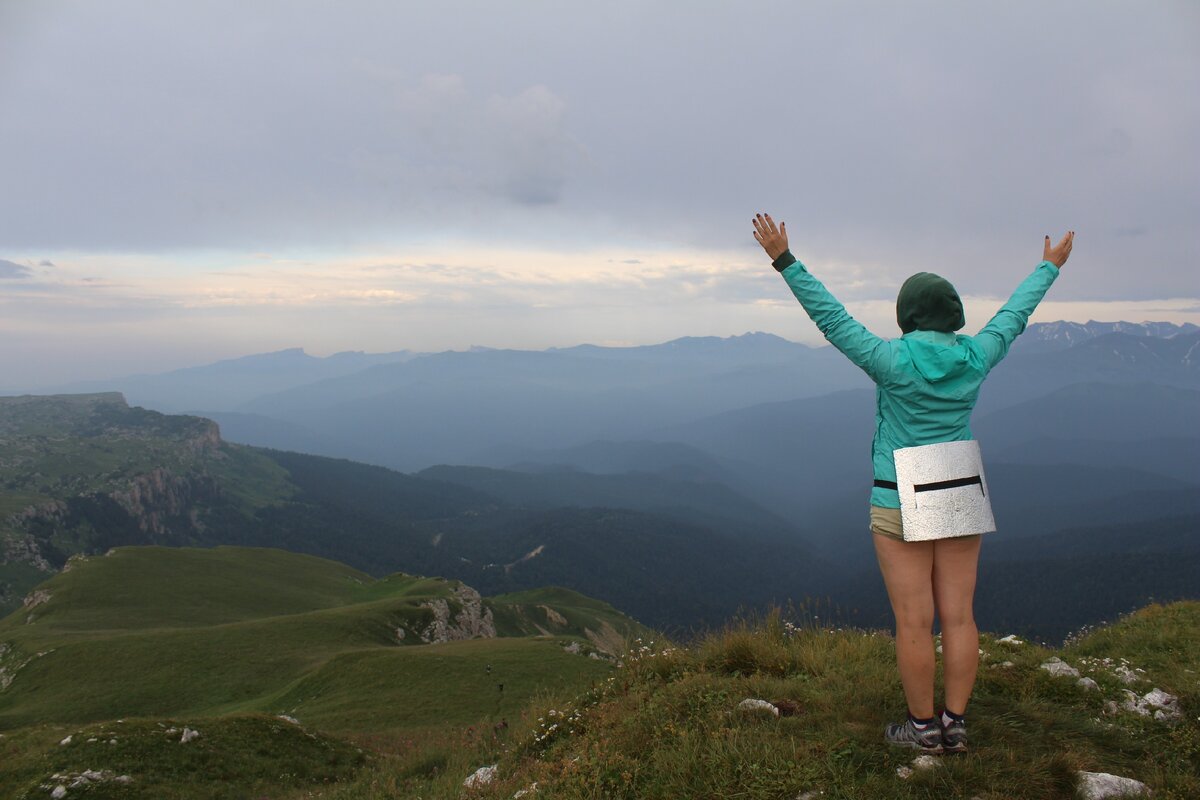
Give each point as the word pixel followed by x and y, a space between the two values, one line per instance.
pixel 957 618
pixel 914 620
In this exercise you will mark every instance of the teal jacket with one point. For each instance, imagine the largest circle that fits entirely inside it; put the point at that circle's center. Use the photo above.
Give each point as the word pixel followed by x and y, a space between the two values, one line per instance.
pixel 926 382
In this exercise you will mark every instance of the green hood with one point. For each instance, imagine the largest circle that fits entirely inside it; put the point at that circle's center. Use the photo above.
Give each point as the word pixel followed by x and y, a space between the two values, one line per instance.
pixel 929 302
pixel 937 356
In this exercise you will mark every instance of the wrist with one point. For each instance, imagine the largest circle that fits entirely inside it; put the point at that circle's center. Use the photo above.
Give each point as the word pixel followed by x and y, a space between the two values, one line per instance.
pixel 783 261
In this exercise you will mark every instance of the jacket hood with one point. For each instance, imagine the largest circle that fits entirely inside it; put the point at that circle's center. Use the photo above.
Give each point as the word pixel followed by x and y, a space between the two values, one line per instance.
pixel 929 302
pixel 936 355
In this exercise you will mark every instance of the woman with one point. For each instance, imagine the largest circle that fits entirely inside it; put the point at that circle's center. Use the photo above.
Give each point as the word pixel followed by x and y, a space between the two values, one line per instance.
pixel 927 383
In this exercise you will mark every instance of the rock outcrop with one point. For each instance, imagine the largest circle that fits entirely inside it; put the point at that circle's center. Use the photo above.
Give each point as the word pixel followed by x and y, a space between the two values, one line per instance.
pixel 473 621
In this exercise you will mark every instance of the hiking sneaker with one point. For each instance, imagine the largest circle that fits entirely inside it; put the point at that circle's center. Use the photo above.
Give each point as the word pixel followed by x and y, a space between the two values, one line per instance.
pixel 954 736
pixel 906 734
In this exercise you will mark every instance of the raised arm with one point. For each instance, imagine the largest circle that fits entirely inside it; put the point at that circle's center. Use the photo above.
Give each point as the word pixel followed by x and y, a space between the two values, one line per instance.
pixel 997 336
pixel 866 350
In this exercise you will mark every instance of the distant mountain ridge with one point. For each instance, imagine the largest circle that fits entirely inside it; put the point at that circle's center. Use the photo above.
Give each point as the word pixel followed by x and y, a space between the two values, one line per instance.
pixel 1043 336
pixel 228 383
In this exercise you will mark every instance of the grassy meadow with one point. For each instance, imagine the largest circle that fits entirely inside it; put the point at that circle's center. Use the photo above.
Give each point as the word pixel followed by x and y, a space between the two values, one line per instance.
pixel 292 674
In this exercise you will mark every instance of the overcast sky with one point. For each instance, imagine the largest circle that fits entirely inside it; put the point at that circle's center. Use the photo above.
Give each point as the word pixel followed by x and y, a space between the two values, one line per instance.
pixel 184 181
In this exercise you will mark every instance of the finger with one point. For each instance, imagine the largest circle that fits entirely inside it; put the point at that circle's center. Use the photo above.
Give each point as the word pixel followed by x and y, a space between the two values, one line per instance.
pixel 783 228
pixel 770 223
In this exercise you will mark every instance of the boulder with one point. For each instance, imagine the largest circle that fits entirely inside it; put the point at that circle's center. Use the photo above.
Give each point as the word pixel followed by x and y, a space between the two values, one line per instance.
pixel 1100 785
pixel 481 777
pixel 1056 666
pixel 751 704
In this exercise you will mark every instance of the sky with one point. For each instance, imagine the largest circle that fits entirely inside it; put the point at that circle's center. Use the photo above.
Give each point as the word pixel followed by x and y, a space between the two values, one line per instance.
pixel 182 182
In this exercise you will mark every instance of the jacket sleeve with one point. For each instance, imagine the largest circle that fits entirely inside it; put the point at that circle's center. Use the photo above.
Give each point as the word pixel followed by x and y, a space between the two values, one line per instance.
pixel 867 351
pixel 998 335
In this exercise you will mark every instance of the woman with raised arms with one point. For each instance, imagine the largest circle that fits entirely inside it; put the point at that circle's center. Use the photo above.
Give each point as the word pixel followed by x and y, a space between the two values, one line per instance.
pixel 927 382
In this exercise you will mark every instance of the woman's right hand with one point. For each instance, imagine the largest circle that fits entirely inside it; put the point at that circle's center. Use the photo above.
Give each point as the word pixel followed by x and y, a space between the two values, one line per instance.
pixel 1058 254
pixel 773 240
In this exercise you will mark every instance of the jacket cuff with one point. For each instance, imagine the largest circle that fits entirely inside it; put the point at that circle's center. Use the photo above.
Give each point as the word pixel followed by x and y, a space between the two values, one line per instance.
pixel 785 260
pixel 1052 265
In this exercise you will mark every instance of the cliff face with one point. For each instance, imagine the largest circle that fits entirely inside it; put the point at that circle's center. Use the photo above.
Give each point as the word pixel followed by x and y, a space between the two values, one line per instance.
pixel 83 473
pixel 160 496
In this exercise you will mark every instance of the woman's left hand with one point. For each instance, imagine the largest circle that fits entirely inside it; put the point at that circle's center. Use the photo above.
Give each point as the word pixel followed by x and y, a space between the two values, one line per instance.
pixel 773 240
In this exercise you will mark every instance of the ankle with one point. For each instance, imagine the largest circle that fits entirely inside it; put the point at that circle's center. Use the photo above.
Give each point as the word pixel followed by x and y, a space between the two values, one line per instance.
pixel 949 716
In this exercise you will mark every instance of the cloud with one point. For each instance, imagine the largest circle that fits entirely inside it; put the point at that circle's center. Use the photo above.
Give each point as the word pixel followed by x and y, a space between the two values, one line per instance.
pixel 8 269
pixel 913 137
pixel 514 147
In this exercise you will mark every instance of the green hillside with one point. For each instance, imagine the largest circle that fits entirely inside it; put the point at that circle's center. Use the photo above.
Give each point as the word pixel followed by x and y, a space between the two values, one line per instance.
pixel 414 721
pixel 159 631
pixel 667 724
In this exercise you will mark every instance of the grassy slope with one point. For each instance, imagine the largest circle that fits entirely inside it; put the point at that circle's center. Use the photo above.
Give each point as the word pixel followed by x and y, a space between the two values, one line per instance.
pixel 666 725
pixel 235 757
pixel 155 631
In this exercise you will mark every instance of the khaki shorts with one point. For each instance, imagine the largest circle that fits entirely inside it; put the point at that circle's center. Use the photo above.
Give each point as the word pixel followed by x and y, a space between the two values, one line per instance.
pixel 886 522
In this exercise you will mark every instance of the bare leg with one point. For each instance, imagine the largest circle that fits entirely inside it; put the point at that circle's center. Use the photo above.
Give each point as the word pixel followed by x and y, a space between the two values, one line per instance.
pixel 954 567
pixel 907 569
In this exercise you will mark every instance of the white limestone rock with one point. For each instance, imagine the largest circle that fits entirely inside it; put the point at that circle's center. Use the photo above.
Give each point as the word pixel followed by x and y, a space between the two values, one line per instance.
pixel 1165 705
pixel 481 777
pixel 65 742
pixel 751 704
pixel 1089 684
pixel 1101 785
pixel 1012 639
pixel 59 792
pixel 188 735
pixel 1057 667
